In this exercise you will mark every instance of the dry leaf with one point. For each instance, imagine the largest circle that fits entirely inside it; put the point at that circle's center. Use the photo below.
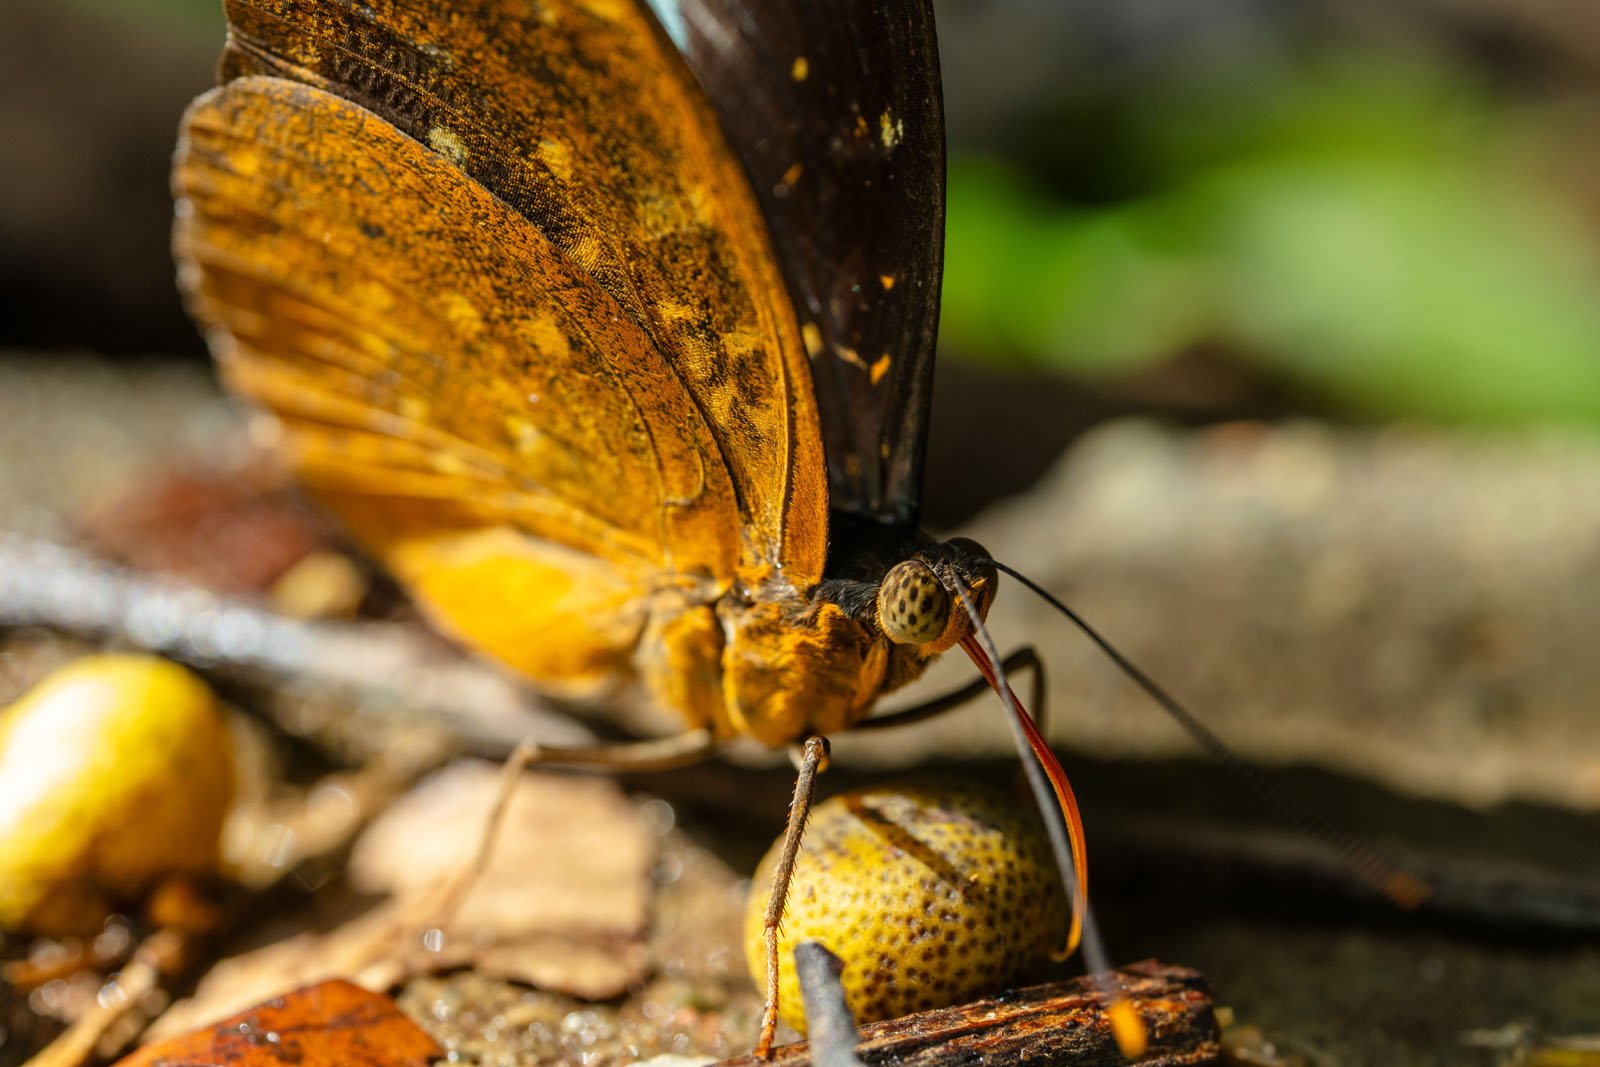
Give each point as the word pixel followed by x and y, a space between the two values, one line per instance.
pixel 231 531
pixel 572 854
pixel 334 1024
pixel 561 903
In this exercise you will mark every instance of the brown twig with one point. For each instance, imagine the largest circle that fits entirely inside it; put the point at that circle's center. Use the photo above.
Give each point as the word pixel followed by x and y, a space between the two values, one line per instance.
pixel 1059 1023
pixel 162 954
pixel 380 667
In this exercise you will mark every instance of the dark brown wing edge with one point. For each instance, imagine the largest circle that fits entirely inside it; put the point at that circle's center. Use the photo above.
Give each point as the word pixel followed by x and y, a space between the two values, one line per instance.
pixel 835 109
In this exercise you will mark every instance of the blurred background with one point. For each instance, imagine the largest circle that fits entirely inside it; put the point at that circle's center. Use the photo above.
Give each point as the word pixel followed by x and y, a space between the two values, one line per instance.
pixel 1210 207
pixel 1203 208
pixel 1306 294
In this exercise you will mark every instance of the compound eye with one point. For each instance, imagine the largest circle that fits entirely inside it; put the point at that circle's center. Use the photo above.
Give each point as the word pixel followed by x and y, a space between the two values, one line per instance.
pixel 913 607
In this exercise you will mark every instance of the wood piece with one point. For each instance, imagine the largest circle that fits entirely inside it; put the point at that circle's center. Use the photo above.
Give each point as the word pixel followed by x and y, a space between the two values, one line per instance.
pixel 1057 1023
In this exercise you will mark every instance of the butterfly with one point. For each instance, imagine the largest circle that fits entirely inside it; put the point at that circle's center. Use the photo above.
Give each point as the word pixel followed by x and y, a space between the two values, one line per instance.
pixel 609 332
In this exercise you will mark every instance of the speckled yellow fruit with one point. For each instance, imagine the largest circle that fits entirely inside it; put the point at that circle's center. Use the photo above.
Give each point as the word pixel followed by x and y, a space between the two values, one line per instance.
pixel 930 896
pixel 115 772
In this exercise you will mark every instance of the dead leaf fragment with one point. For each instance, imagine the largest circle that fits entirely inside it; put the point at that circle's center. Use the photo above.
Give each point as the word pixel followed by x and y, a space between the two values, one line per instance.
pixel 334 1024
pixel 562 903
pixel 573 854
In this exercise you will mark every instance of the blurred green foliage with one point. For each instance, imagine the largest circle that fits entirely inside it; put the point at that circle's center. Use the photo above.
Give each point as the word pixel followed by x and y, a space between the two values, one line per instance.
pixel 1383 229
pixel 189 19
pixel 1389 236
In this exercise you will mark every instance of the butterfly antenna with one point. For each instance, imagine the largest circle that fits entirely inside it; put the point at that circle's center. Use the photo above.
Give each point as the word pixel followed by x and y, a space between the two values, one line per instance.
pixel 1399 885
pixel 1052 792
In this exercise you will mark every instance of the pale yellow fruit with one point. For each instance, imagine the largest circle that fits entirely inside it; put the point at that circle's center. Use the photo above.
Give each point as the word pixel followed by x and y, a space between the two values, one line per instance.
pixel 115 773
pixel 930 897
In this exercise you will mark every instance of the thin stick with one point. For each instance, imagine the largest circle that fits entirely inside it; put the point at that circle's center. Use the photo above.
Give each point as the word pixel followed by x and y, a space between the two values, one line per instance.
pixel 160 954
pixel 380 668
pixel 828 1020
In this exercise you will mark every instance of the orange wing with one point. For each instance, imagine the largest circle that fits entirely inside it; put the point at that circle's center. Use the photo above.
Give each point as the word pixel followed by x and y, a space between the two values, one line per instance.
pixel 581 116
pixel 540 419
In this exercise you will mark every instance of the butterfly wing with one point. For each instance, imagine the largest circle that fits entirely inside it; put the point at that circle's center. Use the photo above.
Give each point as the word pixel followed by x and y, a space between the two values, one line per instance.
pixel 836 111
pixel 580 119
pixel 509 303
pixel 481 413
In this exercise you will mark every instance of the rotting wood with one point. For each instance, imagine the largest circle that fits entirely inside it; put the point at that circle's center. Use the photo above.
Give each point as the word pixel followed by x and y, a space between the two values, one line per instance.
pixel 1057 1023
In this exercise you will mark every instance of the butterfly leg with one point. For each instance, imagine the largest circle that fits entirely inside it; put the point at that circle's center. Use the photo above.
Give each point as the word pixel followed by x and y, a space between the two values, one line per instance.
pixel 812 760
pixel 1023 659
pixel 651 754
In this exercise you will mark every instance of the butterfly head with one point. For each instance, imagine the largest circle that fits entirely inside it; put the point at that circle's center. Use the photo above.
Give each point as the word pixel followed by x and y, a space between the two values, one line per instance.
pixel 918 603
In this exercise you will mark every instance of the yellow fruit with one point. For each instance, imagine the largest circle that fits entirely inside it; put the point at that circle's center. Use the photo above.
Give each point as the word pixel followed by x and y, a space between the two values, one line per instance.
pixel 930 897
pixel 115 773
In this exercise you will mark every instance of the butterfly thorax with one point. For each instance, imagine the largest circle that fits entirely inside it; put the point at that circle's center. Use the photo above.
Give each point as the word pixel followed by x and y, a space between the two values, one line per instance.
pixel 794 664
